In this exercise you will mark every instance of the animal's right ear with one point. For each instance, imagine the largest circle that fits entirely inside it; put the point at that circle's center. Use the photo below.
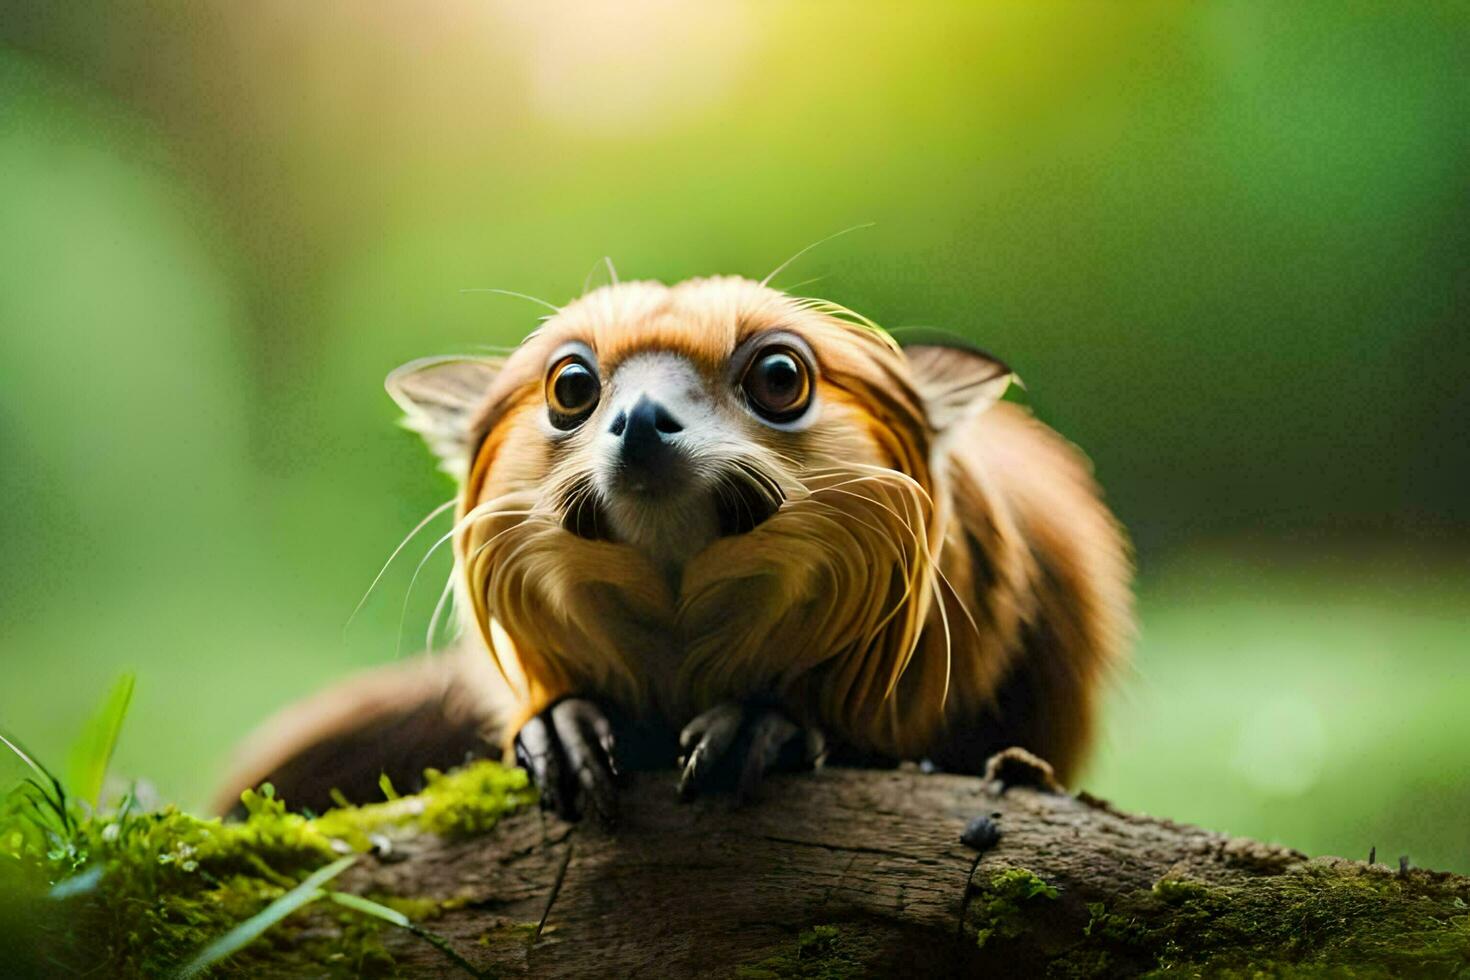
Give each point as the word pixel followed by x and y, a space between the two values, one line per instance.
pixel 440 397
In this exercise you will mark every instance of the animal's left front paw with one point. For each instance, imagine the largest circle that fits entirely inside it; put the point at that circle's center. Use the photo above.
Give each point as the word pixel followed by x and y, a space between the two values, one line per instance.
pixel 743 741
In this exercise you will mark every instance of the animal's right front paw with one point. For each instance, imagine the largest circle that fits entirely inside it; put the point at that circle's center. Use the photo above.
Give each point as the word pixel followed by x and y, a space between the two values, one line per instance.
pixel 569 751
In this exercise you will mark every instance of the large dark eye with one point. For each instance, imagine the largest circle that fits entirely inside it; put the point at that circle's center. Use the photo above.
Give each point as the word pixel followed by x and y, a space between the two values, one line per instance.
pixel 572 390
pixel 778 383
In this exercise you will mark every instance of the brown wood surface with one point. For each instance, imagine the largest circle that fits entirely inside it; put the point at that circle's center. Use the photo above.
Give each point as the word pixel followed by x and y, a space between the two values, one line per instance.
pixel 703 888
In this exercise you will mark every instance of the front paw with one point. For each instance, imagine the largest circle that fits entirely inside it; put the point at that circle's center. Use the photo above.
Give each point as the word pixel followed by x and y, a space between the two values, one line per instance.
pixel 744 742
pixel 569 751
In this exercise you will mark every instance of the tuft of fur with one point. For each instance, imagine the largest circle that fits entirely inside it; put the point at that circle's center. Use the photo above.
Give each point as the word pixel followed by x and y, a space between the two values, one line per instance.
pixel 924 574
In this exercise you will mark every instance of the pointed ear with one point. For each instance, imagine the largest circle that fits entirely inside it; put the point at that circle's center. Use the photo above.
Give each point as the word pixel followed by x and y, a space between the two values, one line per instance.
pixel 439 397
pixel 956 381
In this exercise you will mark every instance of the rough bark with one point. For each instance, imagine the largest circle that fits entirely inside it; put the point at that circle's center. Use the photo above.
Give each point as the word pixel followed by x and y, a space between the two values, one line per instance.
pixel 846 872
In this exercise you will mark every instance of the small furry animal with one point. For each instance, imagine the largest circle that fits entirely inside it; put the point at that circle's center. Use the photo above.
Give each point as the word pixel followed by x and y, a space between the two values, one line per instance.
pixel 718 523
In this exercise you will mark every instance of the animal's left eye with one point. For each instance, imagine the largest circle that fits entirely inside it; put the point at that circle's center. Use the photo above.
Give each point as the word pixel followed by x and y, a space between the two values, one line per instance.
pixel 572 390
pixel 778 383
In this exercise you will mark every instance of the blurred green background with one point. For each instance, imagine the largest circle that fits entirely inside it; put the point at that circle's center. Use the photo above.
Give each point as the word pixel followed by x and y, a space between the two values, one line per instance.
pixel 1225 245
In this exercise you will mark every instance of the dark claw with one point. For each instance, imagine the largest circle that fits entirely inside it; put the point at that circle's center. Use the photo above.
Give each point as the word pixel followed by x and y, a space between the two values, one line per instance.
pixel 710 735
pixel 768 734
pixel 568 751
pixel 589 758
pixel 744 741
pixel 538 753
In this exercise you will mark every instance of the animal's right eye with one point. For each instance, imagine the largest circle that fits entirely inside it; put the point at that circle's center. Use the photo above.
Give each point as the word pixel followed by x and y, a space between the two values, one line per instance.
pixel 572 391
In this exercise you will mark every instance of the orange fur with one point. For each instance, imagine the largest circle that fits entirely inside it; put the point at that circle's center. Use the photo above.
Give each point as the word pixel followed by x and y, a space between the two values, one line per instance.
pixel 836 592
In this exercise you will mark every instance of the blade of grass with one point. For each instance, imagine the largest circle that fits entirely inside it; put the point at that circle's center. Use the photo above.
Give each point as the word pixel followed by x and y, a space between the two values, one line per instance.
pixel 25 757
pixel 56 796
pixel 368 907
pixel 87 766
pixel 232 941
pixel 44 795
pixel 43 818
pixel 129 800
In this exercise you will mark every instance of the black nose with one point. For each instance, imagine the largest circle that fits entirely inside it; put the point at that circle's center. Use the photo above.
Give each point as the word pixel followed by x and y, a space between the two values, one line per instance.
pixel 642 429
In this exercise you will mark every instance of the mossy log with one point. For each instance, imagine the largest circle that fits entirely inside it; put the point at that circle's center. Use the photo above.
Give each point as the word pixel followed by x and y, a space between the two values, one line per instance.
pixel 862 873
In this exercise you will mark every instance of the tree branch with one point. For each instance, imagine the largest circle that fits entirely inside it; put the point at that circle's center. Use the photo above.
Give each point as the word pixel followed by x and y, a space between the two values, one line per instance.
pixel 848 872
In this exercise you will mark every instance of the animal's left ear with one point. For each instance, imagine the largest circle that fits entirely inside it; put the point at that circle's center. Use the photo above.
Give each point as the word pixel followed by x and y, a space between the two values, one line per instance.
pixel 957 382
pixel 440 397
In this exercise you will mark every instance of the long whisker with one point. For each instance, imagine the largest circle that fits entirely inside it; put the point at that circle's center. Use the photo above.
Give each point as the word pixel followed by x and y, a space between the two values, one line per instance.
pixel 944 579
pixel 881 480
pixel 510 292
pixel 444 596
pixel 478 514
pixel 743 504
pixel 763 481
pixel 908 483
pixel 583 494
pixel 805 282
pixel 948 636
pixel 407 595
pixel 904 556
pixel 900 518
pixel 837 311
pixel 480 548
pixel 918 562
pixel 777 271
pixel 396 551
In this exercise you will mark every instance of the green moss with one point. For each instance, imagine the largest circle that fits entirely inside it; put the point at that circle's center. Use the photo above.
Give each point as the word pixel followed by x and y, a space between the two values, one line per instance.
pixel 1324 918
pixel 1177 890
pixel 417 909
pixel 151 888
pixel 1112 927
pixel 461 803
pixel 1000 910
pixel 824 952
